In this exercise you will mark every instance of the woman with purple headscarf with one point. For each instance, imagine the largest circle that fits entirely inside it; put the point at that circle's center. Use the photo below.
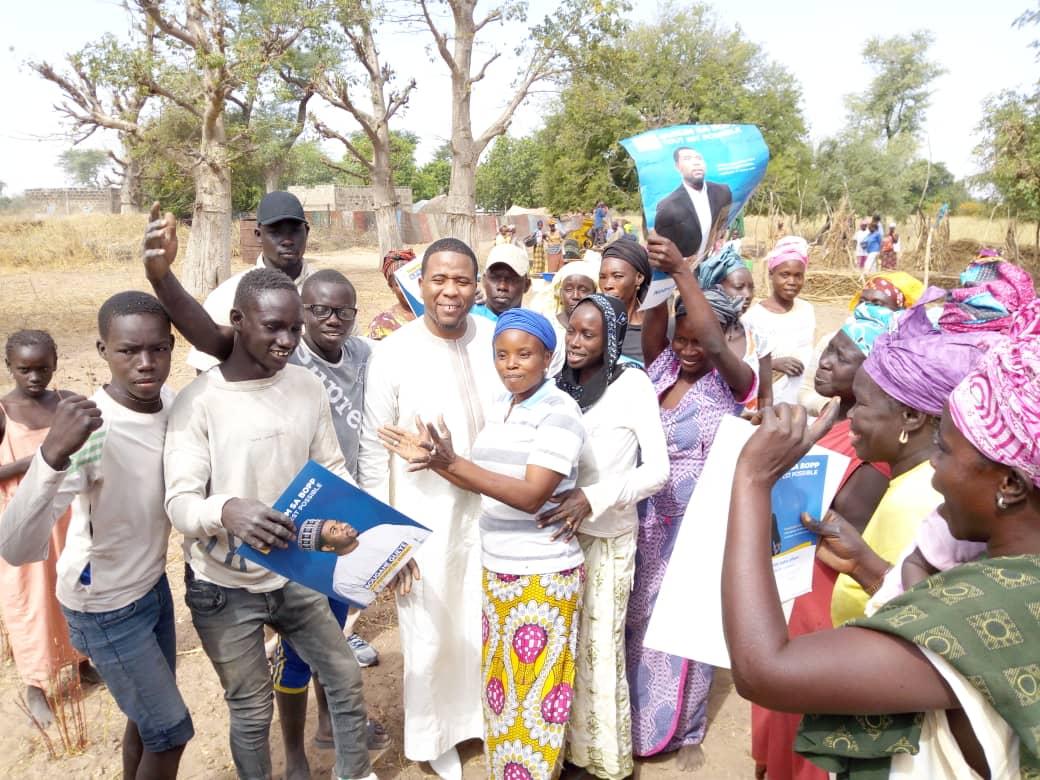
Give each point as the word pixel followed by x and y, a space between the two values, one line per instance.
pixel 900 391
pixel 947 671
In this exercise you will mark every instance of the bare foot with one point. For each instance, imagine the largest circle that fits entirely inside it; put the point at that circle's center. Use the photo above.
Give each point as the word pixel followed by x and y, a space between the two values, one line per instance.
pixel 88 675
pixel 691 758
pixel 38 706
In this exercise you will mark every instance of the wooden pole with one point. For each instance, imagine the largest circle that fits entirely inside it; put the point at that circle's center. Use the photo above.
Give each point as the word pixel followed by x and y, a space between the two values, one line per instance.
pixel 928 253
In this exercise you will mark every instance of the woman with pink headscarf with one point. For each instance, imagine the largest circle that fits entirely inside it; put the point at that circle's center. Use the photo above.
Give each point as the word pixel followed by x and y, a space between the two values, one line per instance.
pixel 789 320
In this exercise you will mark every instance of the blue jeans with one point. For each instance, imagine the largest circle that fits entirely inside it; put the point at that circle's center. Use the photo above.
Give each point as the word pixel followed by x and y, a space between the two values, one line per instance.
pixel 134 648
pixel 230 622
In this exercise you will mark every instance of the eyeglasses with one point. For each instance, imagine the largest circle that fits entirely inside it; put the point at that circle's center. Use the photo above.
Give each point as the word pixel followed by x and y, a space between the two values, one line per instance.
pixel 344 313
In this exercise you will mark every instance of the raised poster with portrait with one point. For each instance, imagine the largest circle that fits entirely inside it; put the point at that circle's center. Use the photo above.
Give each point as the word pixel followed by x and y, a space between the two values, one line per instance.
pixel 693 181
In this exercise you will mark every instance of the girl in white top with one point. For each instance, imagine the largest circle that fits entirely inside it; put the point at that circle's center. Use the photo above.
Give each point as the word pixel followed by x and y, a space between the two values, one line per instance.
pixel 624 460
pixel 789 320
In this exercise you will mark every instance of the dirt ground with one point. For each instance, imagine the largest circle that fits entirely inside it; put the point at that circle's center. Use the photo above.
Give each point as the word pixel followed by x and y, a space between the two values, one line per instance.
pixel 65 303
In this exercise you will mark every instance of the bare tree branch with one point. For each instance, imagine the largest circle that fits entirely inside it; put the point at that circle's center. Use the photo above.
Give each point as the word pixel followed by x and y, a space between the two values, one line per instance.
pixel 169 26
pixel 494 16
pixel 327 132
pixel 440 38
pixel 484 67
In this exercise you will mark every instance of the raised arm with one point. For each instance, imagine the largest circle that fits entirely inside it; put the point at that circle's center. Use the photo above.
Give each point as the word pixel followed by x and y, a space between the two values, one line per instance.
pixel 187 314
pixel 49 486
pixel 655 332
pixel 432 449
pixel 665 255
pixel 809 673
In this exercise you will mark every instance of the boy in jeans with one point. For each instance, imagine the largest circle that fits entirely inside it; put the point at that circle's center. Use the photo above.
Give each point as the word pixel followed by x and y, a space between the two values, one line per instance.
pixel 238 434
pixel 103 455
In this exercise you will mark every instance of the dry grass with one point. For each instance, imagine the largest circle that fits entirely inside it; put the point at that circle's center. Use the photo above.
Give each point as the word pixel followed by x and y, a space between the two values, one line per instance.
pixel 63 243
pixel 66 702
pixel 955 242
pixel 107 241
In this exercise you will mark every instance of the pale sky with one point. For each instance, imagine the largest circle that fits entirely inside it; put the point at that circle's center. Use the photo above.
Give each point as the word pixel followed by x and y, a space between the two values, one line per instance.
pixel 819 42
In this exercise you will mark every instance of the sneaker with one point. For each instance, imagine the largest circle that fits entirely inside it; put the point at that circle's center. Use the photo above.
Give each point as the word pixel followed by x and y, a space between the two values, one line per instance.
pixel 365 654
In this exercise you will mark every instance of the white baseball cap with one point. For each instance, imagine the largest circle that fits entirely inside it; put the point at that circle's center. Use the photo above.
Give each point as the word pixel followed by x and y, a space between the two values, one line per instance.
pixel 511 255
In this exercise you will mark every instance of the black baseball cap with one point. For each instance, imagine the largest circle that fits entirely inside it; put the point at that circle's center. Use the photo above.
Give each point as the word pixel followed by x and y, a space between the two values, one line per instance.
pixel 276 206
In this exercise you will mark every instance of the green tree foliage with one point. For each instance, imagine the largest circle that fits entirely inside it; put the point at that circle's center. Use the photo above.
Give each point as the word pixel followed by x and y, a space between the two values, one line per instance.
pixel 432 179
pixel 897 99
pixel 402 159
pixel 308 165
pixel 875 162
pixel 507 174
pixel 1009 151
pixel 173 185
pixel 85 167
pixel 686 67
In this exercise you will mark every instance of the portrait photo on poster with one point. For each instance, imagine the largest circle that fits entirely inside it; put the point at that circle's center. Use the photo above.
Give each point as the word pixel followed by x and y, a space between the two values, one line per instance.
pixel 348 544
pixel 693 182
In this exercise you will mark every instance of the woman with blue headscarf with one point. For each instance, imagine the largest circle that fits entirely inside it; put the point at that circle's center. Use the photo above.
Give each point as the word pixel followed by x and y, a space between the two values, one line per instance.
pixel 727 271
pixel 533 577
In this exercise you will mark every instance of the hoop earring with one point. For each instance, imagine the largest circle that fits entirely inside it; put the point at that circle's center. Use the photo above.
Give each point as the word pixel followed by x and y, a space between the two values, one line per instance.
pixel 903 438
pixel 1001 503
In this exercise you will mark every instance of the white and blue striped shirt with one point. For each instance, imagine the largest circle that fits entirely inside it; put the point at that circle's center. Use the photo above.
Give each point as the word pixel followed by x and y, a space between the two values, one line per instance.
pixel 546 430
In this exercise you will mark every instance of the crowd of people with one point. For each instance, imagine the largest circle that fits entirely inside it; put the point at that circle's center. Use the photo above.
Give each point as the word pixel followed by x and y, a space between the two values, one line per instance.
pixel 551 441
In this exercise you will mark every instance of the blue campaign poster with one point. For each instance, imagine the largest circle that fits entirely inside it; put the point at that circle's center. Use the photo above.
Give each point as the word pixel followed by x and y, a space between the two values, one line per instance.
pixel 349 545
pixel 693 181
pixel 407 277
pixel 799 490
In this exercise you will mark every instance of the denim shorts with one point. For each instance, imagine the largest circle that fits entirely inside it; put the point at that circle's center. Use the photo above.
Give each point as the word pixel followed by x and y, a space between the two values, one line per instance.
pixel 135 650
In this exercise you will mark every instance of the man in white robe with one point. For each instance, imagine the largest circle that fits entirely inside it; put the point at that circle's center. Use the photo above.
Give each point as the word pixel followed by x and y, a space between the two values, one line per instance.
pixel 439 364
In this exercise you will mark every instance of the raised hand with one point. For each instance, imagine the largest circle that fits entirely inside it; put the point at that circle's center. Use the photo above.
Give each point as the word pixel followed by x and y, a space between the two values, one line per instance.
pixel 664 254
pixel 414 447
pixel 443 454
pixel 788 365
pixel 257 524
pixel 160 243
pixel 75 419
pixel 783 437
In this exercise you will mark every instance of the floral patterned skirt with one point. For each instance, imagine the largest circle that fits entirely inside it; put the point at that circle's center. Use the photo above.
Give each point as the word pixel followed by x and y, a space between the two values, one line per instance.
pixel 530 635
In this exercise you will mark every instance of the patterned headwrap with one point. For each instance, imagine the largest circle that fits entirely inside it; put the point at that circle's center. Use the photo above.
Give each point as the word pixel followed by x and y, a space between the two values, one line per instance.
pixel 714 269
pixel 633 253
pixel 867 323
pixel 308 536
pixel 394 259
pixel 615 325
pixel 727 310
pixel 901 287
pixel 529 322
pixel 1000 289
pixel 919 366
pixel 997 406
pixel 788 248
